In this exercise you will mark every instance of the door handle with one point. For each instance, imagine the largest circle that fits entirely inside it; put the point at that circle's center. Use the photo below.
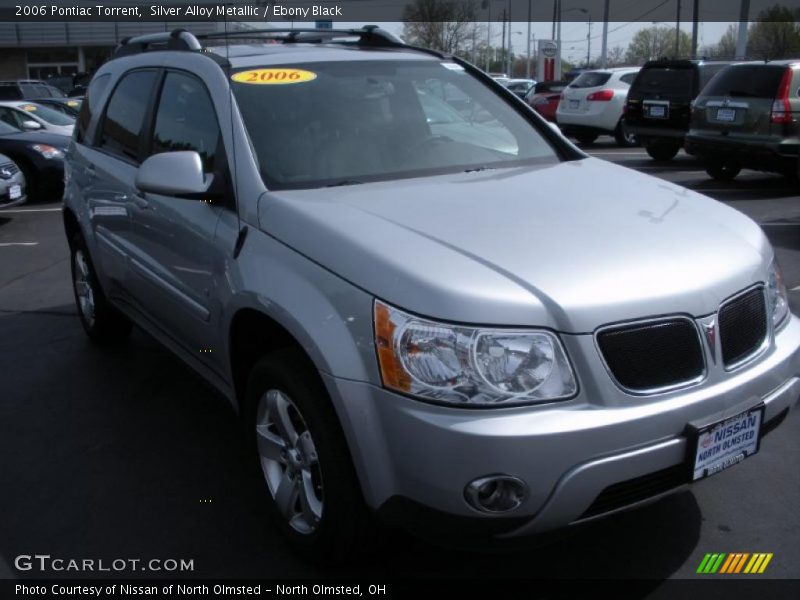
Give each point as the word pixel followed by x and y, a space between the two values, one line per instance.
pixel 141 203
pixel 89 170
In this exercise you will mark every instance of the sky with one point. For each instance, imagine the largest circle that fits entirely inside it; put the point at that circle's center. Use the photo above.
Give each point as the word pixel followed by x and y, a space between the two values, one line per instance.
pixel 573 34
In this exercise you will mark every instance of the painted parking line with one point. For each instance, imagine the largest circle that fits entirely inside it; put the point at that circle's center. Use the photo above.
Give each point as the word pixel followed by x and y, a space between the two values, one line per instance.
pixel 5 244
pixel 30 210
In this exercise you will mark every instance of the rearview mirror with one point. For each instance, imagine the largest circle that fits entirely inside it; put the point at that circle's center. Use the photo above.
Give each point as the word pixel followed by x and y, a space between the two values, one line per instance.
pixel 31 126
pixel 174 174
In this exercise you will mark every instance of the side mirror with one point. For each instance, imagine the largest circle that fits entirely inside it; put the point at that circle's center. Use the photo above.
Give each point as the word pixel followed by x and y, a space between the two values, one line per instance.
pixel 174 174
pixel 31 125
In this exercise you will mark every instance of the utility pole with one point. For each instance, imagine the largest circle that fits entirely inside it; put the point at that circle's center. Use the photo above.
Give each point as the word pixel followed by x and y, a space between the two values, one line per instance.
pixel 695 21
pixel 744 16
pixel 503 54
pixel 589 43
pixel 678 31
pixel 528 54
pixel 510 65
pixel 604 50
pixel 488 6
pixel 558 42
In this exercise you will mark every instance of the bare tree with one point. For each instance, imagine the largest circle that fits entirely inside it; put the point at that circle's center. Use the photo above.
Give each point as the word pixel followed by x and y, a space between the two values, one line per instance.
pixel 726 46
pixel 616 56
pixel 657 42
pixel 446 25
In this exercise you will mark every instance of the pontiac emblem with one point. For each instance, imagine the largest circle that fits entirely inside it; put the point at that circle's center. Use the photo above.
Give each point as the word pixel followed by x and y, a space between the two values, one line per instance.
pixel 710 331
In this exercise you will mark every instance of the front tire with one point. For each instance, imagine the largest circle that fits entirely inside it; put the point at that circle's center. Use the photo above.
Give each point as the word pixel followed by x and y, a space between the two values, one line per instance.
pixel 312 488
pixel 103 323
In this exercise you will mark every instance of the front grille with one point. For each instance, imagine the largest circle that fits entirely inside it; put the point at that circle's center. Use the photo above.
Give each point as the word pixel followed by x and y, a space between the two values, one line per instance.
pixel 635 490
pixel 10 168
pixel 653 355
pixel 742 326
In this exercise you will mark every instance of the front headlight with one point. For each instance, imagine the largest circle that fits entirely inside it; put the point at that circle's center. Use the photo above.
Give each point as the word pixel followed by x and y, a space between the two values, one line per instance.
pixel 48 151
pixel 776 295
pixel 469 366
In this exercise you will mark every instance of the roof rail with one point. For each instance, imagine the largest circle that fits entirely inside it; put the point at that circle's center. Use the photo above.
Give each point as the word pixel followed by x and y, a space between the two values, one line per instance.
pixel 177 39
pixel 369 35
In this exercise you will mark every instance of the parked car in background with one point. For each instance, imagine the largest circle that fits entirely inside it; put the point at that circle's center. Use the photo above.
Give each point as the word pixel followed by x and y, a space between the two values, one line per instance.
pixel 69 106
pixel 520 87
pixel 747 116
pixel 545 96
pixel 31 116
pixel 659 102
pixel 40 157
pixel 592 105
pixel 12 183
pixel 25 89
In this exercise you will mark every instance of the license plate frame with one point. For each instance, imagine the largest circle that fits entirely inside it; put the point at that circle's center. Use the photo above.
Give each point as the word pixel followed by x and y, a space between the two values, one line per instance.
pixel 656 111
pixel 725 115
pixel 15 192
pixel 703 462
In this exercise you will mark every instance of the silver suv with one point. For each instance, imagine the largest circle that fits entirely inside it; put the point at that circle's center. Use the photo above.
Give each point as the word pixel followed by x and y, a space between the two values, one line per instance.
pixel 426 303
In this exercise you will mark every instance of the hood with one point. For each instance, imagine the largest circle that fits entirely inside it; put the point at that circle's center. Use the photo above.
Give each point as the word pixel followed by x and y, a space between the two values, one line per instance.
pixel 40 137
pixel 571 246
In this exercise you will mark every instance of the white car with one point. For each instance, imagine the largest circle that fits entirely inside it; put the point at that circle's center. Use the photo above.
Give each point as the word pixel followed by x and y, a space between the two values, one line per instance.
pixel 592 105
pixel 32 116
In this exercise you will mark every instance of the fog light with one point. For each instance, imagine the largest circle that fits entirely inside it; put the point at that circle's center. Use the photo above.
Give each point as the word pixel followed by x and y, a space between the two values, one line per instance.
pixel 496 494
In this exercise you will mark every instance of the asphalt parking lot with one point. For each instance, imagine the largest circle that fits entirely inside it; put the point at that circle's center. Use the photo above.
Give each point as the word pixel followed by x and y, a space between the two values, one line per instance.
pixel 126 453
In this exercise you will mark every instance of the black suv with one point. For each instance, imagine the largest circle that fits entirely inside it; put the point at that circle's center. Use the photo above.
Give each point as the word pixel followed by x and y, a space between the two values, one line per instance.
pixel 658 109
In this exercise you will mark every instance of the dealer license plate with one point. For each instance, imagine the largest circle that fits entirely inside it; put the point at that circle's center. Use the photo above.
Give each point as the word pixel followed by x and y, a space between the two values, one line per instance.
pixel 726 114
pixel 726 443
pixel 657 112
pixel 14 192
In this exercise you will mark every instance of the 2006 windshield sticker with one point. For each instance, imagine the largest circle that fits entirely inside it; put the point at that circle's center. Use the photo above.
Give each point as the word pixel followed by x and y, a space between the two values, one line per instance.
pixel 273 76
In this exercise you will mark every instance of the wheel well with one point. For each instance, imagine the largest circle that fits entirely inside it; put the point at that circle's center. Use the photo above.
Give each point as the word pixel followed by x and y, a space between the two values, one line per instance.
pixel 71 226
pixel 253 335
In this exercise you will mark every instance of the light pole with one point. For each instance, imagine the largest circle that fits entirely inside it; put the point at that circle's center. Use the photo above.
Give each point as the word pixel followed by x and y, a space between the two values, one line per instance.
pixel 589 43
pixel 604 46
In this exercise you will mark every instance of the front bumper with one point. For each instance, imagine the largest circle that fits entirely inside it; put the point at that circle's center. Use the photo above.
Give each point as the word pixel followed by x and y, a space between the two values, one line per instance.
pixel 568 453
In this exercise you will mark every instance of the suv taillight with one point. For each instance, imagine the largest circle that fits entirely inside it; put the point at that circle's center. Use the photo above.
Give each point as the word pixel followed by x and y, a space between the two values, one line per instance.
pixel 601 96
pixel 781 109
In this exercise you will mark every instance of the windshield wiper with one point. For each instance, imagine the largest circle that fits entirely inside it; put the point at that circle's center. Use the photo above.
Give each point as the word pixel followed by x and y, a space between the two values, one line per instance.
pixel 345 182
pixel 477 169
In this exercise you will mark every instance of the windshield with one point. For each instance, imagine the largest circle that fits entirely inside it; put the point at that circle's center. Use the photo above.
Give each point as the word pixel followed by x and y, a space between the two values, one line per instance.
pixel 356 121
pixel 49 115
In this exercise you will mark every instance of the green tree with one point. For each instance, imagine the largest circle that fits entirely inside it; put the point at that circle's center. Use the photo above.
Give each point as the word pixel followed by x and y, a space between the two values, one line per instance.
pixel 657 42
pixel 775 34
pixel 446 25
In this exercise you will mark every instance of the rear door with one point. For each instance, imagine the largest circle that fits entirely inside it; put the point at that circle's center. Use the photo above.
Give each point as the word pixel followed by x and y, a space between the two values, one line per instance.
pixel 738 101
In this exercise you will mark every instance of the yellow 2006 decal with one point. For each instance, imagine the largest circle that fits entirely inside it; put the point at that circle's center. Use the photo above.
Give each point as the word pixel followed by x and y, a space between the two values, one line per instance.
pixel 273 76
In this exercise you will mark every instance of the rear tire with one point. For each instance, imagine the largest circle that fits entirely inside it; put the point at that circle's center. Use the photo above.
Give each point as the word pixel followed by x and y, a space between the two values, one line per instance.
pixel 103 323
pixel 586 139
pixel 662 151
pixel 300 451
pixel 723 170
pixel 623 138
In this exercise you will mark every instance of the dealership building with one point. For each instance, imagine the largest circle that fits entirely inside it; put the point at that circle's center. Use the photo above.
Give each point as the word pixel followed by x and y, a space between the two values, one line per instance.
pixel 42 50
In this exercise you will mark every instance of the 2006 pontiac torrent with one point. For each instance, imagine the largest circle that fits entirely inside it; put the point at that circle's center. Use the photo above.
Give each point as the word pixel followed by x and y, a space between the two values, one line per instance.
pixel 427 305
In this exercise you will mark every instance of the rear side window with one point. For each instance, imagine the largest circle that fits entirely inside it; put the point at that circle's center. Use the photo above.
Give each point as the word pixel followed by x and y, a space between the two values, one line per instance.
pixel 89 105
pixel 747 81
pixel 124 118
pixel 665 81
pixel 590 79
pixel 628 78
pixel 186 120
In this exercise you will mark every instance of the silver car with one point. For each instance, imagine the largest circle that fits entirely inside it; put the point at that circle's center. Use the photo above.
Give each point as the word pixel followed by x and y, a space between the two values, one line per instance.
pixel 12 183
pixel 416 322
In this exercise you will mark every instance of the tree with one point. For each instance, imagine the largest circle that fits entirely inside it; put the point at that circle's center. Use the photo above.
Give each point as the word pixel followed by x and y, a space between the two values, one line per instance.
pixel 616 56
pixel 775 35
pixel 445 25
pixel 657 42
pixel 725 47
